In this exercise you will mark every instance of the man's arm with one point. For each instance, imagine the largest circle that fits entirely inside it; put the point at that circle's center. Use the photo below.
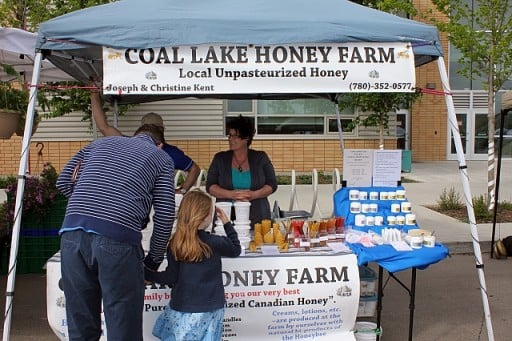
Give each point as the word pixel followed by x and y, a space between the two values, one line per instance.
pixel 99 116
pixel 191 178
pixel 70 174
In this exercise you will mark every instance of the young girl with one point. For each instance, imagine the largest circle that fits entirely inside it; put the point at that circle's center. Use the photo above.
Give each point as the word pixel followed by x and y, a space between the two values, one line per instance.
pixel 196 308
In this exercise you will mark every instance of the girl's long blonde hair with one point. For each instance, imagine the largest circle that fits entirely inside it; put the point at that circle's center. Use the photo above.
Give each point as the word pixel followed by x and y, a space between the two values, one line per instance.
pixel 185 245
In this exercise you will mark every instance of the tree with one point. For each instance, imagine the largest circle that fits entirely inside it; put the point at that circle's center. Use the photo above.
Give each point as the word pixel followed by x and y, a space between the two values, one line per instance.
pixel 376 108
pixel 28 14
pixel 64 97
pixel 482 31
pixel 397 7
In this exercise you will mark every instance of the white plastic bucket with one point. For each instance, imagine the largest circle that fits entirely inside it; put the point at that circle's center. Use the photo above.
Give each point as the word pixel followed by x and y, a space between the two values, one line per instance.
pixel 242 210
pixel 366 331
pixel 226 207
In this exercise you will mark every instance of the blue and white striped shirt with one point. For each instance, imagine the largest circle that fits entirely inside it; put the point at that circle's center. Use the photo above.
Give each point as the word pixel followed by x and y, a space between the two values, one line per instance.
pixel 118 180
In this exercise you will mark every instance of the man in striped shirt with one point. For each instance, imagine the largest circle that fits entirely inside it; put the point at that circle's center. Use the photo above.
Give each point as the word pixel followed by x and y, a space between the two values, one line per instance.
pixel 111 185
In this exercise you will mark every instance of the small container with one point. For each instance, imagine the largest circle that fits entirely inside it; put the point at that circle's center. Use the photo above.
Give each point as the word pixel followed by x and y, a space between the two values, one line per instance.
pixel 383 195
pixel 370 221
pixel 429 241
pixel 406 207
pixel 379 220
pixel 410 219
pixel 416 242
pixel 305 243
pixel 400 194
pixel 374 208
pixel 365 208
pixel 360 220
pixel 392 195
pixel 353 194
pixel 243 230
pixel 355 207
pixel 391 220
pixel 363 195
pixel 340 226
pixel 315 239
pixel 374 195
pixel 395 208
pixel 244 242
pixel 400 220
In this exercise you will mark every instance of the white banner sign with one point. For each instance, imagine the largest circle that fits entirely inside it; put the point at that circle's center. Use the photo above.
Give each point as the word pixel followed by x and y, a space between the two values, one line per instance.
pixel 310 297
pixel 246 69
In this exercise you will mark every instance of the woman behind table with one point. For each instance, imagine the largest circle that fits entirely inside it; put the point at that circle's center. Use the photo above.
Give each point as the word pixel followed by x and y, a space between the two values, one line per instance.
pixel 241 173
pixel 194 272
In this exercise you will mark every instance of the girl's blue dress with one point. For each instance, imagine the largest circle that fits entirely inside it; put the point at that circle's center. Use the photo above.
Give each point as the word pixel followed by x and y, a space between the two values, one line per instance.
pixel 174 325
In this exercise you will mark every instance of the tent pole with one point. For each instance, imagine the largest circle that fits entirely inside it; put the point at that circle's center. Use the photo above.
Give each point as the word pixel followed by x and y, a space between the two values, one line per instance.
pixel 29 122
pixel 452 119
pixel 338 123
pixel 498 176
pixel 116 112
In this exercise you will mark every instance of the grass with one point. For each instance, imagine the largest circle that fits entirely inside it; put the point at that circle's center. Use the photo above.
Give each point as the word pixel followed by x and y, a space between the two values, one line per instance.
pixel 450 204
pixel 323 179
pixel 304 179
pixel 301 179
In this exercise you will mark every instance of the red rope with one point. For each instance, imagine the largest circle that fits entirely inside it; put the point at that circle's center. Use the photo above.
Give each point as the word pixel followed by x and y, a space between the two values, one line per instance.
pixel 435 92
pixel 57 87
pixel 90 87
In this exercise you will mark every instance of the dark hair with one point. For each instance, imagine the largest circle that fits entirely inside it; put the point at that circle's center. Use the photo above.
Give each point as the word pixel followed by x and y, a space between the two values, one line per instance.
pixel 243 127
pixel 152 130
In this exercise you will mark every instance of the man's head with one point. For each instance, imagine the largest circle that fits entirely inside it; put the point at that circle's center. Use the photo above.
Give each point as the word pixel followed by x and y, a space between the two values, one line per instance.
pixel 152 118
pixel 152 130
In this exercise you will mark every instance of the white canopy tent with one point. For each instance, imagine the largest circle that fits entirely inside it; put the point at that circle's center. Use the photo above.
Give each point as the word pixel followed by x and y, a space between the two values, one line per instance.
pixel 18 49
pixel 74 43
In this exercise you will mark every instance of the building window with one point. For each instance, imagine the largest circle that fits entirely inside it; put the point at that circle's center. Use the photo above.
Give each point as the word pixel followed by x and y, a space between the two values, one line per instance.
pixel 240 106
pixel 291 117
pixel 345 122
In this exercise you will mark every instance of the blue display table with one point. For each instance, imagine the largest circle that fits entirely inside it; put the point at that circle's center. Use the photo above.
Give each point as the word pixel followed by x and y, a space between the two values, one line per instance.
pixel 385 255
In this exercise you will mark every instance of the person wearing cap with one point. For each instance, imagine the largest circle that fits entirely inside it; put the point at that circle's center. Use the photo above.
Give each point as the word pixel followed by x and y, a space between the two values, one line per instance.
pixel 181 160
pixel 109 200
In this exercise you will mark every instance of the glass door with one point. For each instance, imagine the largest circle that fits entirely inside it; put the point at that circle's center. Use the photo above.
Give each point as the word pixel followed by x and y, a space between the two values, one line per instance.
pixel 480 137
pixel 402 130
pixel 462 122
pixel 473 133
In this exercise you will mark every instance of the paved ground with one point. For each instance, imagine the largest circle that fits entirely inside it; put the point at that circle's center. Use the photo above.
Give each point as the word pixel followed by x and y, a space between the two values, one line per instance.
pixel 448 297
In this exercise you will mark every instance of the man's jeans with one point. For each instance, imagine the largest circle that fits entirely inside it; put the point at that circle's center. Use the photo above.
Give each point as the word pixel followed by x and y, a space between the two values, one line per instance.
pixel 95 268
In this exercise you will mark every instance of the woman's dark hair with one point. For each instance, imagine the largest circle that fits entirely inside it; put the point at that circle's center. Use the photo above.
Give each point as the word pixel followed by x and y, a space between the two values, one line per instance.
pixel 243 126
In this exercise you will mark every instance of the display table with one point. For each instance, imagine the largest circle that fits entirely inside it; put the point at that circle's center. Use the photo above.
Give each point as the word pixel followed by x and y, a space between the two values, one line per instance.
pixel 386 256
pixel 297 296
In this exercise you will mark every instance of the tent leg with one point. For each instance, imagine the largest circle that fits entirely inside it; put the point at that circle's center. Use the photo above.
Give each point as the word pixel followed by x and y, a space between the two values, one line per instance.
pixel 11 271
pixel 498 176
pixel 452 119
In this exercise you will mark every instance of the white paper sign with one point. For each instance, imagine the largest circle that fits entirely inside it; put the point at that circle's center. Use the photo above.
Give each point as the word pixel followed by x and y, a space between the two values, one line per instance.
pixel 357 167
pixel 387 166
pixel 226 69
